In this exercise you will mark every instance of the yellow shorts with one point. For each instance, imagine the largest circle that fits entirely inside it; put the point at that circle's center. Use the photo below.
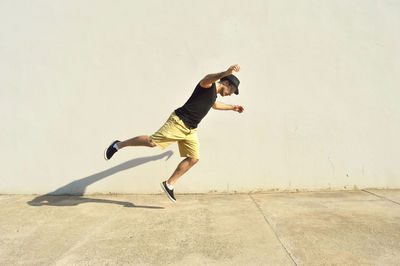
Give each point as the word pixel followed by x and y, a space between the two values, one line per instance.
pixel 175 130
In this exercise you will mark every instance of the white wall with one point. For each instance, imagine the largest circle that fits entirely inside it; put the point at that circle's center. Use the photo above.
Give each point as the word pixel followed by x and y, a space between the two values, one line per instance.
pixel 319 81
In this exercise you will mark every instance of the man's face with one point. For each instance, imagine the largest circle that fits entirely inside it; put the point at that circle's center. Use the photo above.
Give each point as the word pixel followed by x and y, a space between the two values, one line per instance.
pixel 228 88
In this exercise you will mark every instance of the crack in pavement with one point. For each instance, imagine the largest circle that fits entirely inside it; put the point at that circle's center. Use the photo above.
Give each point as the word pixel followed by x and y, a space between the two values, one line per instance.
pixel 85 238
pixel 272 228
pixel 379 196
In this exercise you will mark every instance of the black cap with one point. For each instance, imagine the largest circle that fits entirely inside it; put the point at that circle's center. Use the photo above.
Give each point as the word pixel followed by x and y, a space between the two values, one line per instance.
pixel 233 80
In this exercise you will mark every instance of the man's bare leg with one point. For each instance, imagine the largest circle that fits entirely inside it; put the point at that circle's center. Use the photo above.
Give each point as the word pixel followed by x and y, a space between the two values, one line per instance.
pixel 136 141
pixel 182 168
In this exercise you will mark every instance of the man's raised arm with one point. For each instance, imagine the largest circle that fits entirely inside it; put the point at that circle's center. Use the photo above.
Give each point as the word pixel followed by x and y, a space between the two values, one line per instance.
pixel 224 106
pixel 208 80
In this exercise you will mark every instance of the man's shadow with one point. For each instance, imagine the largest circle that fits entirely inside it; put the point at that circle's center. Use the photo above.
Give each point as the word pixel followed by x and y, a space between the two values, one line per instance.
pixel 72 193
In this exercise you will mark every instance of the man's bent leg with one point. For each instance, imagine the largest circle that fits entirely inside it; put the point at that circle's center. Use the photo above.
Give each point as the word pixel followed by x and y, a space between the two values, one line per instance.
pixel 182 168
pixel 136 141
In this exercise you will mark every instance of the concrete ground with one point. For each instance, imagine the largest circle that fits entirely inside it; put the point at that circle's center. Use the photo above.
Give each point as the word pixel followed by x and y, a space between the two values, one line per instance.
pixel 314 228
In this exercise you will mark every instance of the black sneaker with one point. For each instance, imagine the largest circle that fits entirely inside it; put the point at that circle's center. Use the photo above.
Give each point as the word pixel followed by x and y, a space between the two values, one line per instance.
pixel 109 152
pixel 169 192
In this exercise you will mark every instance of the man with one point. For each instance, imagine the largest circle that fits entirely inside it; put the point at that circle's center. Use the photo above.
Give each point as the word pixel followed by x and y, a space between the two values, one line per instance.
pixel 181 126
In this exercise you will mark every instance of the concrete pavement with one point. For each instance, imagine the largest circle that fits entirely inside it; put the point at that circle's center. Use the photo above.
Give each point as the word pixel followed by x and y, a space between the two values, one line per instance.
pixel 313 228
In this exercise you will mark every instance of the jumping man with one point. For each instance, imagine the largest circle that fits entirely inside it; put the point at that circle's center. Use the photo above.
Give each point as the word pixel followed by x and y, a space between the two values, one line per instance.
pixel 181 126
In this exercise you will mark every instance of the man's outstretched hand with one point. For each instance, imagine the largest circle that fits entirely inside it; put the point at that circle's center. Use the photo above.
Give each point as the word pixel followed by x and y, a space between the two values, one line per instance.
pixel 234 68
pixel 238 108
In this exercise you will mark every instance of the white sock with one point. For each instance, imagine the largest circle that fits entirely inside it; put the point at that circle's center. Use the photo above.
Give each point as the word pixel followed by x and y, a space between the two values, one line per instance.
pixel 169 186
pixel 115 146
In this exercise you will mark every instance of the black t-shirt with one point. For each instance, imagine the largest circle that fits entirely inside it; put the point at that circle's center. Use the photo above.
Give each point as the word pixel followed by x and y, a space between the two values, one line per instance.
pixel 198 105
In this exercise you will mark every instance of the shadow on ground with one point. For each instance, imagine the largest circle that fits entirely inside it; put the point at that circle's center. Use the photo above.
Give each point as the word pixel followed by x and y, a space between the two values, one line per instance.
pixel 72 193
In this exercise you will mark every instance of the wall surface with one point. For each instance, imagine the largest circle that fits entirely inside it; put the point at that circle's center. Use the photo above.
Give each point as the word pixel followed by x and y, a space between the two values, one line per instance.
pixel 319 82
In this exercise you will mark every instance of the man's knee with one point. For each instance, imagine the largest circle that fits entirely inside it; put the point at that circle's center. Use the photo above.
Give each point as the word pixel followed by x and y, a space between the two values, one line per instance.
pixel 150 143
pixel 193 161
